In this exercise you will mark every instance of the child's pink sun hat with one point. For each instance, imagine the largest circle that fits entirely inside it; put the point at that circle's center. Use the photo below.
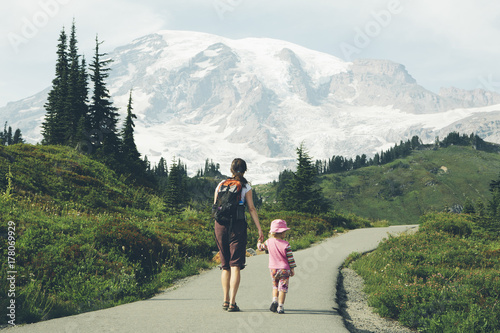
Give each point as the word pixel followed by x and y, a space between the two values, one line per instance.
pixel 278 226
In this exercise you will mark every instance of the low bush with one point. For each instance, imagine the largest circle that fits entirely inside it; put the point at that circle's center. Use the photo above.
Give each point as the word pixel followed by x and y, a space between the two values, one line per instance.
pixel 458 225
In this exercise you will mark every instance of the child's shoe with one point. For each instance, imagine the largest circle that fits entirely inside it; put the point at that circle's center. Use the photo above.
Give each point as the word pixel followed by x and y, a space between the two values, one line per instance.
pixel 274 307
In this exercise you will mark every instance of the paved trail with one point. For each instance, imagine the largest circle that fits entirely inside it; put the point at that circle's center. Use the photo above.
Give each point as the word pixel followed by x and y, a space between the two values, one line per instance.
pixel 195 306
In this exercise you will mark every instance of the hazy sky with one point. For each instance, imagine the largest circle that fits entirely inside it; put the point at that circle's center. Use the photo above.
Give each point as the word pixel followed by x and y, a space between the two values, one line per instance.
pixel 442 43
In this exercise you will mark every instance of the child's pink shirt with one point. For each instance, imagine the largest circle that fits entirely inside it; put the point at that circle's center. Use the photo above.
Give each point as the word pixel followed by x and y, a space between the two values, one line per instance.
pixel 279 254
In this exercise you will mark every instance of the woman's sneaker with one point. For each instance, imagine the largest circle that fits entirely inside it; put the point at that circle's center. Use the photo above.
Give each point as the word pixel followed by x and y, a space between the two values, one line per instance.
pixel 281 310
pixel 274 307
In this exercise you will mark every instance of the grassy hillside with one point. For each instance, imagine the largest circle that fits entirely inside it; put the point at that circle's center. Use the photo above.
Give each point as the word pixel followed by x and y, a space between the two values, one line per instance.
pixel 61 175
pixel 86 238
pixel 429 180
pixel 401 191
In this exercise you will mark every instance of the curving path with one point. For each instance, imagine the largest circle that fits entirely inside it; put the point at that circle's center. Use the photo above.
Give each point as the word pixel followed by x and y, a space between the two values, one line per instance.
pixel 195 304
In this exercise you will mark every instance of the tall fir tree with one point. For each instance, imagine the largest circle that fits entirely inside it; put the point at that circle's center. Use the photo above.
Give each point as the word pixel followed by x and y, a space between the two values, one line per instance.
pixel 302 193
pixel 176 192
pixel 130 155
pixel 54 127
pixel 82 135
pixel 77 89
pixel 18 137
pixel 147 164
pixel 9 136
pixel 160 174
pixel 3 135
pixel 161 169
pixel 67 100
pixel 103 116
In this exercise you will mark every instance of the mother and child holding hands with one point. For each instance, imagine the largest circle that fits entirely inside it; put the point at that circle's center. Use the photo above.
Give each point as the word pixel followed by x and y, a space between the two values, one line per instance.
pixel 230 198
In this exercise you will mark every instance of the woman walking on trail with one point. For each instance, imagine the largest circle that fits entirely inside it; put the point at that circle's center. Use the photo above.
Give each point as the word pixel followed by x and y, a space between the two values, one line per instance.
pixel 231 237
pixel 281 263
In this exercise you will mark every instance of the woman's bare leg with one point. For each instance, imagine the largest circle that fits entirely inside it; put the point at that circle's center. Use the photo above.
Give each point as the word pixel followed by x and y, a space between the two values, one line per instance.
pixel 225 278
pixel 234 283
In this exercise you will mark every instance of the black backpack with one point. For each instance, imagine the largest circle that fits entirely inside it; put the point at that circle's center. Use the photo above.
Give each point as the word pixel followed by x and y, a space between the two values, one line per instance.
pixel 227 208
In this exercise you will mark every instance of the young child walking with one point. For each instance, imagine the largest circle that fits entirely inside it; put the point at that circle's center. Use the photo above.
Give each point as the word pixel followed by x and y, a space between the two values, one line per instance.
pixel 281 263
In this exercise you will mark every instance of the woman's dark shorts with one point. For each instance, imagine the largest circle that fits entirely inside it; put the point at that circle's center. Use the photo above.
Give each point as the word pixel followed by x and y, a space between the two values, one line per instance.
pixel 232 247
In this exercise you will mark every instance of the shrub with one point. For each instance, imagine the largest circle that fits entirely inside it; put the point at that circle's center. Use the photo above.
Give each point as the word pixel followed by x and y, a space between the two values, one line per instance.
pixel 454 224
pixel 156 204
pixel 139 246
pixel 351 258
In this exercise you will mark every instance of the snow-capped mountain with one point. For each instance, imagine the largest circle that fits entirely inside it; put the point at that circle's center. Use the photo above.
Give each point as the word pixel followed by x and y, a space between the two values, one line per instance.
pixel 200 96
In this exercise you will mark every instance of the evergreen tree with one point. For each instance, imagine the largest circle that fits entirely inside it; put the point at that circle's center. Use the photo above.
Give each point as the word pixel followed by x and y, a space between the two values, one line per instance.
pixel 495 185
pixel 348 164
pixel 73 80
pixel 160 173
pixel 161 169
pixel 54 127
pixel 468 207
pixel 82 143
pixel 437 143
pixel 18 137
pixel 9 137
pixel 103 116
pixel 147 163
pixel 302 193
pixel 257 199
pixel 77 89
pixel 415 142
pixel 176 191
pixel 284 179
pixel 338 164
pixel 5 135
pixel 83 125
pixel 494 204
pixel 210 170
pixel 359 162
pixel 480 207
pixel 130 154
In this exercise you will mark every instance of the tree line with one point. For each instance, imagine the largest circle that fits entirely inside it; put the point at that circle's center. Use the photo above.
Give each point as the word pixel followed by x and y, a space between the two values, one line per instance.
pixel 210 169
pixel 7 138
pixel 90 125
pixel 454 138
pixel 340 163
pixel 401 150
